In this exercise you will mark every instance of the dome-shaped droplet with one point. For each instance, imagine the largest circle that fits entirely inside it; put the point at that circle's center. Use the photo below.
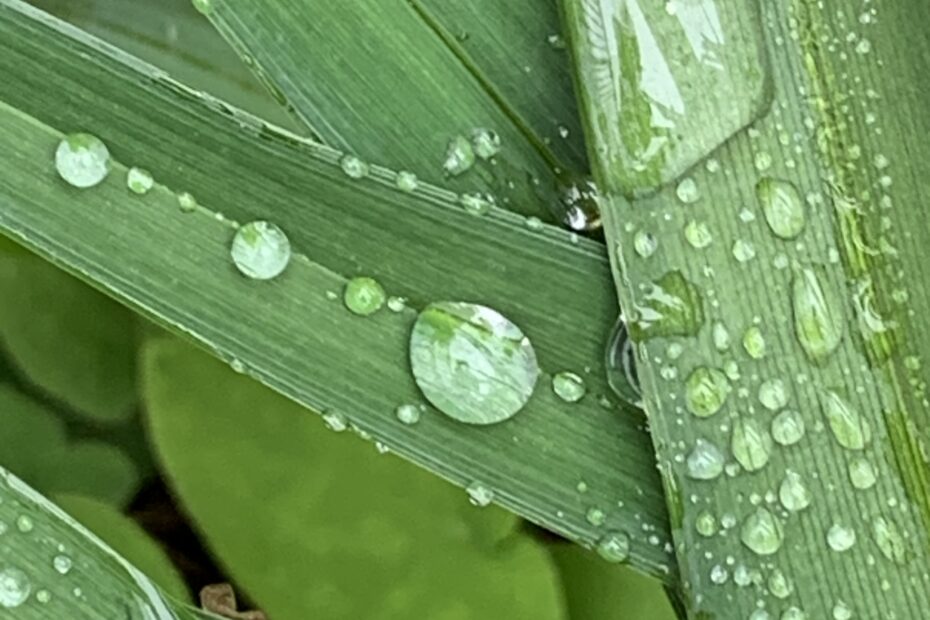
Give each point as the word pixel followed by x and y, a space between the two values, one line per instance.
pixel 779 585
pixel 783 207
pixel 698 234
pixel 479 495
pixel 460 156
pixel 750 443
pixel 353 167
pixel 139 181
pixel 762 532
pixel 24 524
pixel 861 474
pixel 260 250
pixel 614 547
pixel 62 564
pixel 364 296
pixel 203 6
pixel 14 587
pixel 568 386
pixel 471 362
pixel 818 322
pixel 705 524
pixel 788 428
pixel 82 160
pixel 793 493
pixel 595 516
pixel 406 181
pixel 850 429
pixel 485 143
pixel 706 390
pixel 645 243
pixel 841 611
pixel 620 363
pixel 408 414
pixel 754 343
pixel 840 537
pixel 705 461
pixel 687 191
pixel 889 540
pixel 773 394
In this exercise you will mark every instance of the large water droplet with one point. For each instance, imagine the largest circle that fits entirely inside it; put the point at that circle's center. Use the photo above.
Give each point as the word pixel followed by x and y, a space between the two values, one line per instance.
pixel 783 207
pixel 862 474
pixel 614 547
pixel 82 160
pixel 705 461
pixel 751 444
pixel 568 386
pixel 620 362
pixel 840 537
pixel 460 156
pixel 471 362
pixel 14 587
pixel 706 390
pixel 773 394
pixel 788 428
pixel 762 532
pixel 671 306
pixel 139 181
pixel 260 250
pixel 850 429
pixel 364 296
pixel 793 493
pixel 889 540
pixel 779 585
pixel 818 322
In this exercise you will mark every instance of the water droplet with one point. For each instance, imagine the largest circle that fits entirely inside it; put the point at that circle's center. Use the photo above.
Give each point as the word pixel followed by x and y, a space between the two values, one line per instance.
pixel 762 532
pixel 62 564
pixel 260 250
pixel 773 394
pixel 82 160
pixel 793 493
pixel 568 386
pixel 760 614
pixel 779 585
pixel 743 250
pixel 406 181
pixel 687 191
pixel 698 234
pixel 818 323
pixel 460 156
pixel 763 161
pixel 705 461
pixel 596 517
pixel 620 364
pixel 363 296
pixel 671 306
pixel 186 202
pixel 706 390
pixel 353 167
pixel 721 337
pixel 203 6
pixel 645 243
pixel 719 575
pixel 889 540
pixel 14 587
pixel 754 342
pixel 335 421
pixel 3 528
pixel 43 596
pixel 579 200
pixel 783 207
pixel 705 524
pixel 409 414
pixel 849 428
pixel 861 474
pixel 750 443
pixel 841 611
pixel 479 495
pixel 841 538
pixel 534 223
pixel 471 362
pixel 614 547
pixel 793 613
pixel 397 304
pixel 24 524
pixel 139 181
pixel 477 203
pixel 788 428
pixel 486 143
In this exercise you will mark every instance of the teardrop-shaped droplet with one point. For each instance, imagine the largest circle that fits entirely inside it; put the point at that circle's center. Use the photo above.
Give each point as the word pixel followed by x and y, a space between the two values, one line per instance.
pixel 783 207
pixel 706 390
pixel 762 532
pixel 705 461
pixel 793 492
pixel 862 474
pixel 889 540
pixel 788 428
pixel 671 306
pixel 751 444
pixel 620 363
pixel 849 427
pixel 471 362
pixel 818 321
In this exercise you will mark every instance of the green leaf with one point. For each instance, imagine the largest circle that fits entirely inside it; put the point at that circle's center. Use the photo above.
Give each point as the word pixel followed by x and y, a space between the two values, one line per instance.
pixel 329 509
pixel 595 590
pixel 478 65
pixel 175 268
pixel 52 567
pixel 128 539
pixel 34 442
pixel 69 339
pixel 825 316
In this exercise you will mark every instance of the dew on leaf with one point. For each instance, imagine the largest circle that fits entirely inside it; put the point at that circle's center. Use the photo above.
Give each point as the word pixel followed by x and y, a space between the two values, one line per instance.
pixel 476 203
pixel 406 181
pixel 460 156
pixel 363 296
pixel 260 250
pixel 849 427
pixel 698 234
pixel 788 428
pixel 670 306
pixel 840 537
pixel 139 181
pixel 14 587
pixel 705 462
pixel 82 160
pixel 620 364
pixel 793 493
pixel 889 540
pixel 568 386
pixel 353 167
pixel 750 443
pixel 186 202
pixel 754 343
pixel 818 323
pixel 783 207
pixel 762 532
pixel 706 390
pixel 62 564
pixel 485 143
pixel 773 394
pixel 861 474
pixel 614 547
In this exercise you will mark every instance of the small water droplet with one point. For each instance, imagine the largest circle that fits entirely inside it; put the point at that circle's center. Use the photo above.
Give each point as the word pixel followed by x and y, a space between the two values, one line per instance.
pixel 645 243
pixel 862 474
pixel 779 585
pixel 477 203
pixel 486 143
pixel 568 386
pixel 614 547
pixel 841 611
pixel 82 160
pixel 62 564
pixel 743 251
pixel 186 202
pixel 705 461
pixel 754 342
pixel 889 540
pixel 43 596
pixel 849 428
pixel 750 443
pixel 687 191
pixel 335 421
pixel 595 516
pixel 353 167
pixel 534 223
pixel 580 205
pixel 409 414
pixel 139 181
pixel 460 156
pixel 363 296
pixel 24 524
pixel 260 250
pixel 841 538
pixel 762 532
pixel 788 427
pixel 719 574
pixel 773 394
pixel 705 524
pixel 721 336
pixel 406 181
pixel 671 306
pixel 793 493
pixel 698 234
pixel 706 390
pixel 14 587
pixel 818 323
pixel 479 495
pixel 471 362
pixel 397 304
